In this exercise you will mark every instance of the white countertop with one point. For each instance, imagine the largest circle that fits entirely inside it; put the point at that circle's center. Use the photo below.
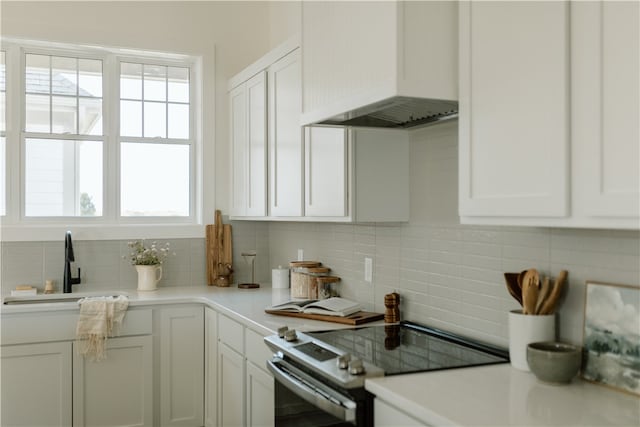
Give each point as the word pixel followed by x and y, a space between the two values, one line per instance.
pixel 244 305
pixel 499 395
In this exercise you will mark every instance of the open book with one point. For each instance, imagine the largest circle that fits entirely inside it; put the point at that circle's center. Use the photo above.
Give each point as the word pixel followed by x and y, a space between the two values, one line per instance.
pixel 334 306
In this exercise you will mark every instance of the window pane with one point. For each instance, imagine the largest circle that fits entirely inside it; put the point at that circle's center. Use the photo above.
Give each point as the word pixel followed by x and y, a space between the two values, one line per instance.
pixel 155 83
pixel 64 75
pixel 3 177
pixel 90 116
pixel 90 75
pixel 178 84
pixel 63 178
pixel 37 74
pixel 130 118
pixel 130 81
pixel 155 119
pixel 154 179
pixel 65 114
pixel 37 113
pixel 179 121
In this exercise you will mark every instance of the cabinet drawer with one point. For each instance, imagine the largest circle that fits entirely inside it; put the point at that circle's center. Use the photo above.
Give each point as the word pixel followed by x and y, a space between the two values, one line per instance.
pixel 231 333
pixel 256 350
pixel 21 328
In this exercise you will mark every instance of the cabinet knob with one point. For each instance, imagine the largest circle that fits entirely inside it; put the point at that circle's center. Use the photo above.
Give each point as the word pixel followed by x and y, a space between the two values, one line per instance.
pixel 290 335
pixel 356 367
pixel 282 330
pixel 343 361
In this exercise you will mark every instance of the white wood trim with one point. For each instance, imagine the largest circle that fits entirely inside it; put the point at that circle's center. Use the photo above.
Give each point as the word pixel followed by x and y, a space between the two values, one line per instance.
pixel 51 232
pixel 265 61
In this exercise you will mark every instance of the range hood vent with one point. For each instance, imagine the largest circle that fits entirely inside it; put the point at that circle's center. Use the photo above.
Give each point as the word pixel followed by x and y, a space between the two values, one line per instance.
pixel 400 112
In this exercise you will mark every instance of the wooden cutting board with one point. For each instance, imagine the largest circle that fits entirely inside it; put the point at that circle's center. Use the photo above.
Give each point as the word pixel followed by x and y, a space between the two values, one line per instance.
pixel 219 247
pixel 354 319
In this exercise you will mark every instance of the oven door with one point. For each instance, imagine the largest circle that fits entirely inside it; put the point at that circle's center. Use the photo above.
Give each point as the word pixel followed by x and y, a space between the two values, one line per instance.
pixel 302 401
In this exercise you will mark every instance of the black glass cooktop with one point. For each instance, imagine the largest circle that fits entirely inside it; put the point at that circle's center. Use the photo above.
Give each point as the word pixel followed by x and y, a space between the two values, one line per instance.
pixel 409 347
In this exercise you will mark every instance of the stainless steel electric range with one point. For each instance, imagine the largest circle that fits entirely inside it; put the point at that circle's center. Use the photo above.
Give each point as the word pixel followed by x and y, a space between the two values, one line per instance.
pixel 319 376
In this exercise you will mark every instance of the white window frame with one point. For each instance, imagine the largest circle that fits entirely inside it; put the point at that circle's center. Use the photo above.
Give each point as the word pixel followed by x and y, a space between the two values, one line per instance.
pixel 15 226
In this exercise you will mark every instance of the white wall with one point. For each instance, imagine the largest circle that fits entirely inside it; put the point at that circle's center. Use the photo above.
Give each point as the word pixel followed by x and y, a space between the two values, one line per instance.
pixel 285 19
pixel 228 36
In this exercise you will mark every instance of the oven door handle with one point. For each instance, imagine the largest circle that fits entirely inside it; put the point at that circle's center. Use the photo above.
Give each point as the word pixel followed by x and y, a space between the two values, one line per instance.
pixel 312 391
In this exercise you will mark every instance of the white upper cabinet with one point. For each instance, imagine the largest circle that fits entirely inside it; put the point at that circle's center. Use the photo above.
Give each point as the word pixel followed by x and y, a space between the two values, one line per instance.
pixel 313 173
pixel 285 137
pixel 514 116
pixel 326 170
pixel 357 175
pixel 248 105
pixel 358 53
pixel 549 114
pixel 606 111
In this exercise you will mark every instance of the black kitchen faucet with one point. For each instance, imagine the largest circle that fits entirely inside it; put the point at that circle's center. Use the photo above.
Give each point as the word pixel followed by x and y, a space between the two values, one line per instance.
pixel 68 279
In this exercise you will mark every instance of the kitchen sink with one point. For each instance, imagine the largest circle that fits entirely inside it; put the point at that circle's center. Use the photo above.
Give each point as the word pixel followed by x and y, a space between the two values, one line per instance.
pixel 57 298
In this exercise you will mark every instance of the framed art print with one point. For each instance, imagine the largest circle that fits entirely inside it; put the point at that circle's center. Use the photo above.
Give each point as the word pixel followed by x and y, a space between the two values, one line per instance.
pixel 612 336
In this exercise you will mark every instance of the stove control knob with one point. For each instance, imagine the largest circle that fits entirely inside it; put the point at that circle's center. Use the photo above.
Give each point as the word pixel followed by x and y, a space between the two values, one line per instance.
pixel 282 330
pixel 356 367
pixel 343 361
pixel 290 335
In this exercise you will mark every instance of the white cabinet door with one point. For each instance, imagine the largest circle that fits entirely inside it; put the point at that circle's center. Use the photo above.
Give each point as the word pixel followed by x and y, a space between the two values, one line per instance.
pixel 259 397
pixel 210 367
pixel 326 177
pixel 36 384
pixel 606 108
pixel 514 109
pixel 238 131
pixel 285 137
pixel 230 387
pixel 248 106
pixel 117 391
pixel 182 366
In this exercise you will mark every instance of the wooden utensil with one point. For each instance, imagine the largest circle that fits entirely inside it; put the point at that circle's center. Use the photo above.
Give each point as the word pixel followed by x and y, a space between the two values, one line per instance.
pixel 549 305
pixel 530 290
pixel 512 286
pixel 545 288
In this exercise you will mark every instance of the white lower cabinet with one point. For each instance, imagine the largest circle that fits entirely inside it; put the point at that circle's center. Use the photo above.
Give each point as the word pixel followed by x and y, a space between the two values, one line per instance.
pixel 36 384
pixel 210 367
pixel 46 383
pixel 230 387
pixel 245 388
pixel 259 392
pixel 182 366
pixel 386 415
pixel 117 391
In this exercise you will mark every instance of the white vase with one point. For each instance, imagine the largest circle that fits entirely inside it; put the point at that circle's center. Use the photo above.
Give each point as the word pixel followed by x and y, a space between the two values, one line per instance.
pixel 148 277
pixel 525 329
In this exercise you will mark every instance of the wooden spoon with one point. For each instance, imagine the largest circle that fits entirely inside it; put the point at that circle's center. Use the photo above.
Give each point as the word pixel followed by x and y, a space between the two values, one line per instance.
pixel 545 288
pixel 530 290
pixel 512 285
pixel 549 305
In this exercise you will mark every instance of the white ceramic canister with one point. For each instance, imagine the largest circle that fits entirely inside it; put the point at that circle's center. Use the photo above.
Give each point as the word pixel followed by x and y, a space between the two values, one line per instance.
pixel 280 278
pixel 525 329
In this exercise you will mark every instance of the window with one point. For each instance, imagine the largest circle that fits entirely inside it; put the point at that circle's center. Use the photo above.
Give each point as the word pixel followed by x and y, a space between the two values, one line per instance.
pixel 154 124
pixel 105 136
pixel 63 137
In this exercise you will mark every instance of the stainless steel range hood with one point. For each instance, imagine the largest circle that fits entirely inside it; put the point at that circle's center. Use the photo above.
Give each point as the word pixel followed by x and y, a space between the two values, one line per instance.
pixel 401 112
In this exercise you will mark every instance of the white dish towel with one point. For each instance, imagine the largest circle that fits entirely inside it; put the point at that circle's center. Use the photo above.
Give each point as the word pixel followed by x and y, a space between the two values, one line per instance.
pixel 100 317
